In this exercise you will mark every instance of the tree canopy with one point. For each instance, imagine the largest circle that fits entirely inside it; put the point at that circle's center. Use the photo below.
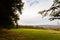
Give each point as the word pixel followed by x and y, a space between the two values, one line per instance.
pixel 54 10
pixel 8 16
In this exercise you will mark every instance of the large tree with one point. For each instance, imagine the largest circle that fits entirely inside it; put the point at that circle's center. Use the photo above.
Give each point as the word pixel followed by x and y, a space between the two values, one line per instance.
pixel 54 10
pixel 8 9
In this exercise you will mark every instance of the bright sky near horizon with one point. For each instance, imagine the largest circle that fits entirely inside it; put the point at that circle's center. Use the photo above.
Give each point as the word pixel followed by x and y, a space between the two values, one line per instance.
pixel 30 14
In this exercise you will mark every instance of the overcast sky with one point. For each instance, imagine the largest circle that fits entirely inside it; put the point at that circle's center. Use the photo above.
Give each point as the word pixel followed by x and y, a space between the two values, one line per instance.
pixel 30 14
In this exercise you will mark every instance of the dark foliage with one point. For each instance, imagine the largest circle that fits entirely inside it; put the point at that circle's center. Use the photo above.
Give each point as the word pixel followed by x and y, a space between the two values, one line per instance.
pixel 55 10
pixel 8 16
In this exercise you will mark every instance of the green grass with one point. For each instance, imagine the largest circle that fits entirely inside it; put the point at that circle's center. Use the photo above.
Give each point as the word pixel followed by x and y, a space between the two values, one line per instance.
pixel 29 34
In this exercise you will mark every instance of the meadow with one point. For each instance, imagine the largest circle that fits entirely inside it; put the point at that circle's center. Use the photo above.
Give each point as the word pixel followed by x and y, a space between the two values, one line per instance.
pixel 29 34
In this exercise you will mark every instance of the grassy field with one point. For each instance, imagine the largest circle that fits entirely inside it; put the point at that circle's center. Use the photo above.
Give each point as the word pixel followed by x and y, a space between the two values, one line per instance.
pixel 29 34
